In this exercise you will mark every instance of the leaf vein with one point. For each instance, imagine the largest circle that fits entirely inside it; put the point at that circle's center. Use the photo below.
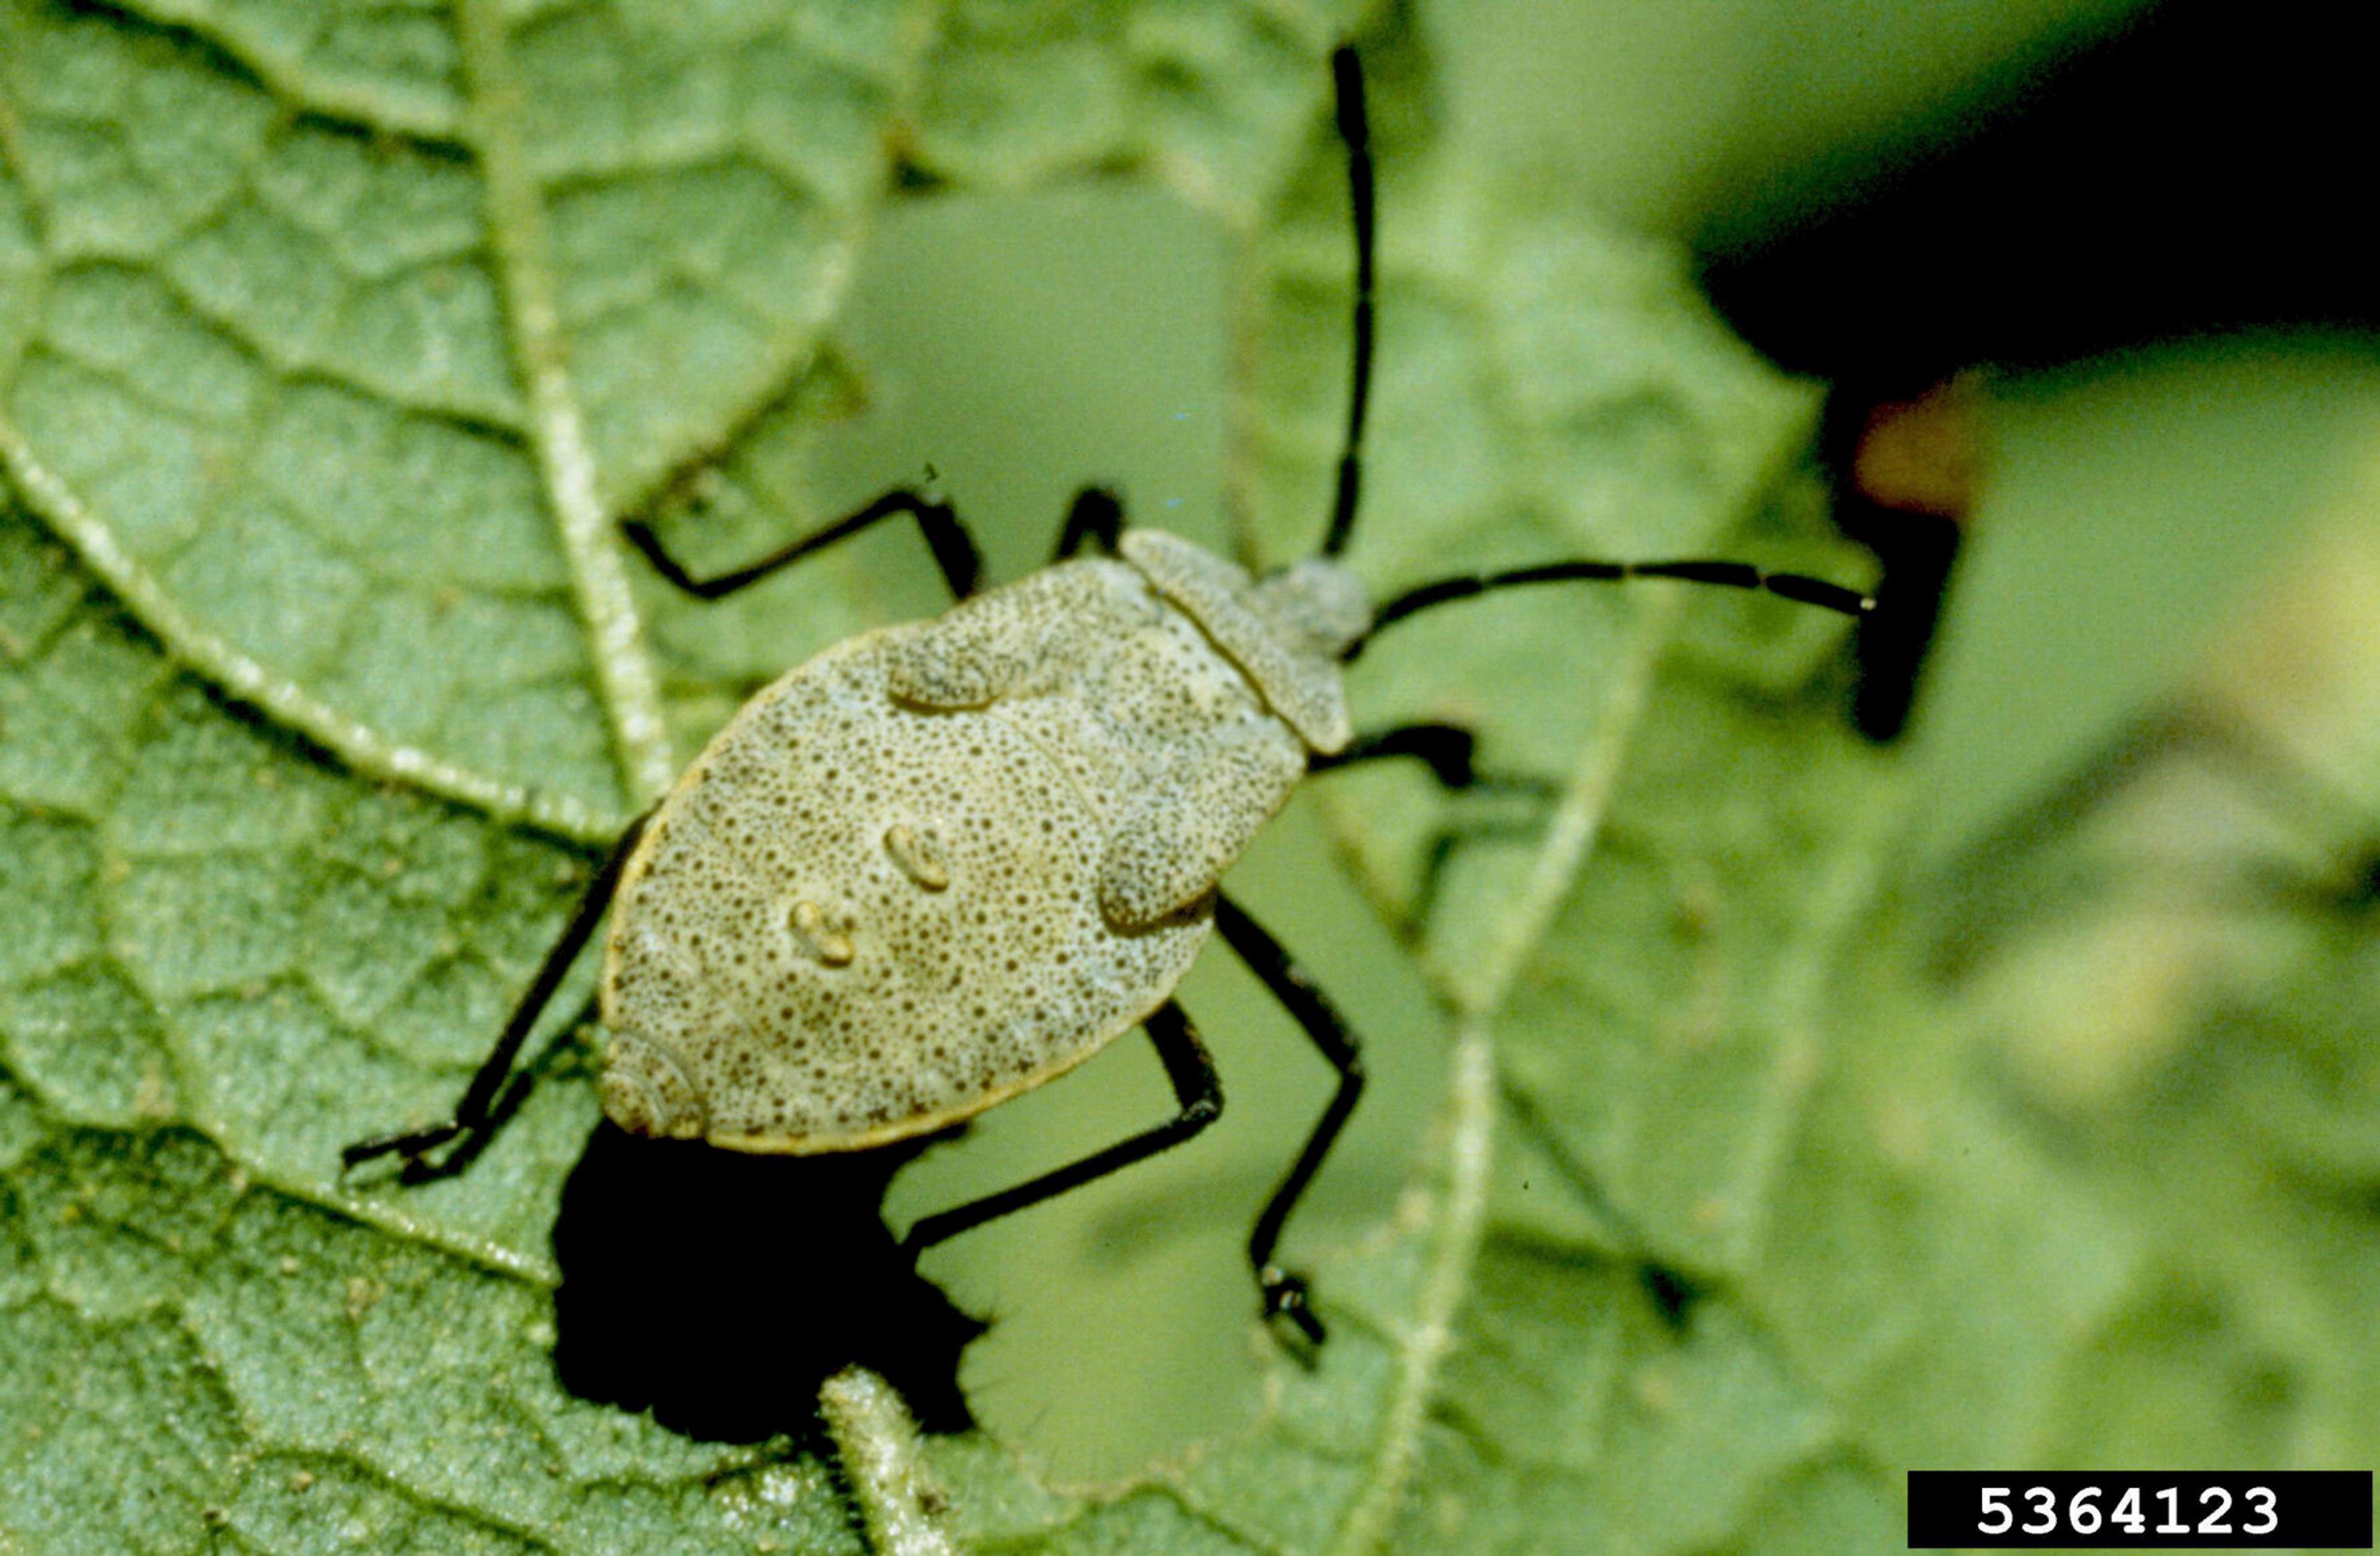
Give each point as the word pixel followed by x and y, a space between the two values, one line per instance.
pixel 624 669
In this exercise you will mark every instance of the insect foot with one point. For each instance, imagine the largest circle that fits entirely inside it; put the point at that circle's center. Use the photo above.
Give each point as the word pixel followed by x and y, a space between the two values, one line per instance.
pixel 1287 1296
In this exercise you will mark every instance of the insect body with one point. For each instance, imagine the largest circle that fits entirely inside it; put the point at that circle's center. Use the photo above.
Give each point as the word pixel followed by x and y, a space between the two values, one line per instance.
pixel 944 862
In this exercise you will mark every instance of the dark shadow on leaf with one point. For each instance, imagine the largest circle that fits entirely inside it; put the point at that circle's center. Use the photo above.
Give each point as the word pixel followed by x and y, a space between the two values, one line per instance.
pixel 719 1290
pixel 1674 1294
pixel 1517 811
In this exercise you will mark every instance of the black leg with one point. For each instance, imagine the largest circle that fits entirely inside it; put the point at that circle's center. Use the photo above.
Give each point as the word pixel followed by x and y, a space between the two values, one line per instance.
pixel 478 1111
pixel 1445 750
pixel 1196 1088
pixel 1284 1292
pixel 1096 519
pixel 955 553
pixel 467 1147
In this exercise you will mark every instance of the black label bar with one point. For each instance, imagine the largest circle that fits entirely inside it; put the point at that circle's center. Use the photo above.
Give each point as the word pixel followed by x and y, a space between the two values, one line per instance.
pixel 2147 1510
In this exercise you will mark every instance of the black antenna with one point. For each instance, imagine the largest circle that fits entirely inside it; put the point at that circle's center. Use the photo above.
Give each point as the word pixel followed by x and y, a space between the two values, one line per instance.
pixel 1354 127
pixel 1726 574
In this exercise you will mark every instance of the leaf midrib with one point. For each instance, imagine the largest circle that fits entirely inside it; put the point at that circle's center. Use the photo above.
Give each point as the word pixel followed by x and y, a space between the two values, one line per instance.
pixel 627 683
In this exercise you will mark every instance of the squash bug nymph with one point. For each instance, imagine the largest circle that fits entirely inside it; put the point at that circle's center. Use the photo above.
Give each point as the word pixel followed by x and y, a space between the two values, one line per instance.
pixel 944 862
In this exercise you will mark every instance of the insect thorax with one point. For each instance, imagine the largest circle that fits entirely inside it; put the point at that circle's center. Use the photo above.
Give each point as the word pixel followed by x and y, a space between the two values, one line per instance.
pixel 1287 632
pixel 942 862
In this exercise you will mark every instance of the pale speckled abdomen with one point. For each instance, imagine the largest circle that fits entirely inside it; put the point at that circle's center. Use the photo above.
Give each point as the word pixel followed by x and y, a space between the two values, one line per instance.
pixel 856 921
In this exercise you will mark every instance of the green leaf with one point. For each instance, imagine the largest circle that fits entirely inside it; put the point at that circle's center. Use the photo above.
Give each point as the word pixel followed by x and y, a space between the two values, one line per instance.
pixel 272 949
pixel 156 1307
pixel 303 298
pixel 338 340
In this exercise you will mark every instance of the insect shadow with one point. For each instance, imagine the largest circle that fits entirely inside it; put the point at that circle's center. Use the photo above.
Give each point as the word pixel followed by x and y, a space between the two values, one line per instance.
pixel 720 1290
